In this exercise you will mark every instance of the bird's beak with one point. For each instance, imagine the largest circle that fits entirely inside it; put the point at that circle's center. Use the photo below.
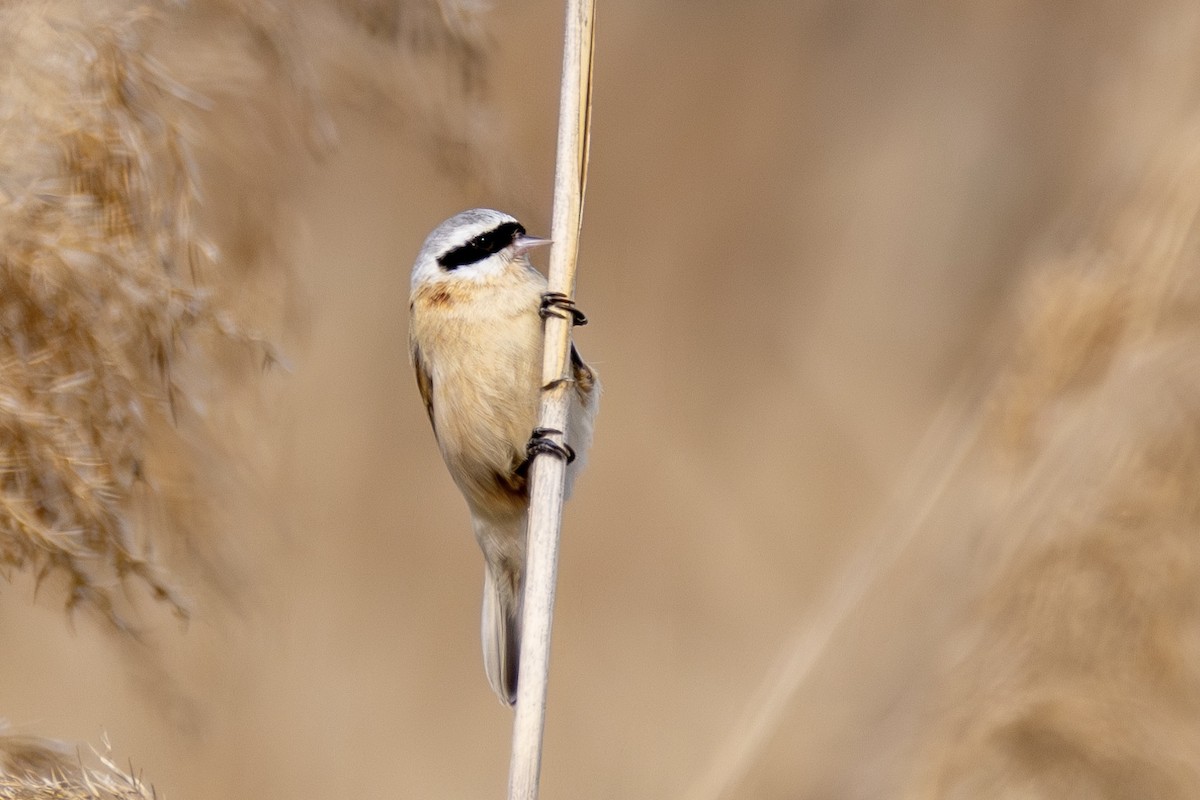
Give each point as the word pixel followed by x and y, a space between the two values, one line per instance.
pixel 525 243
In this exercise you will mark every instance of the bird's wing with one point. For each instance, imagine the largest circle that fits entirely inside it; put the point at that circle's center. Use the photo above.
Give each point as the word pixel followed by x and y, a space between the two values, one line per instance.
pixel 424 382
pixel 585 379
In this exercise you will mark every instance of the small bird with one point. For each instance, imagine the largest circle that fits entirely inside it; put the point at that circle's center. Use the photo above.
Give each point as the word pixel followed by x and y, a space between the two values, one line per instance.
pixel 476 316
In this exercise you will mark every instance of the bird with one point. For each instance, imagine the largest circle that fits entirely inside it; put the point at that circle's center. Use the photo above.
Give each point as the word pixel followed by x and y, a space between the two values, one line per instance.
pixel 476 313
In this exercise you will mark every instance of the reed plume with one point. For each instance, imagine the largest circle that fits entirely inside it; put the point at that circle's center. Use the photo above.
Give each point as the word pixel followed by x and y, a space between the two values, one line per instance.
pixel 1075 672
pixel 40 769
pixel 112 288
pixel 102 284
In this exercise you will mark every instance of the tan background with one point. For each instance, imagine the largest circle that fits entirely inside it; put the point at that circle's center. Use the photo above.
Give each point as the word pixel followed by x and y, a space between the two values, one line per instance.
pixel 808 230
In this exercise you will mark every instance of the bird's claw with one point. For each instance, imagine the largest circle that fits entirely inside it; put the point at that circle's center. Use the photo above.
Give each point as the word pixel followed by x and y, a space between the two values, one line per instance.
pixel 541 443
pixel 557 304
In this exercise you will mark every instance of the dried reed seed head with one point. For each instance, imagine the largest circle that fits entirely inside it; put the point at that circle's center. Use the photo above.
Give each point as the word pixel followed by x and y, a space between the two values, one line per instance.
pixel 1077 675
pixel 103 275
pixel 1133 283
pixel 100 271
pixel 41 769
pixel 446 28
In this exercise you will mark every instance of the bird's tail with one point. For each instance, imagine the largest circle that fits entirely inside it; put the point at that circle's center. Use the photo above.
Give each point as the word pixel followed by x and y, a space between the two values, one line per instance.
pixel 501 629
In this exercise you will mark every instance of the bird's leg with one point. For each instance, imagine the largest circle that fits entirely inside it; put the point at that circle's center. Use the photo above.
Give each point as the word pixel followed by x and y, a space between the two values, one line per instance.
pixel 557 304
pixel 540 442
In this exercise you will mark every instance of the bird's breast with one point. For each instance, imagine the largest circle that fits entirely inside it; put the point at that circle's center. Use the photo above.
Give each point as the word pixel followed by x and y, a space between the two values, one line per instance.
pixel 483 352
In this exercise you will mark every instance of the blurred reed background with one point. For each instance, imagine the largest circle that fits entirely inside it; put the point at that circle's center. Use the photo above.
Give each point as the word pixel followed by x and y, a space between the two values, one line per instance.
pixel 893 493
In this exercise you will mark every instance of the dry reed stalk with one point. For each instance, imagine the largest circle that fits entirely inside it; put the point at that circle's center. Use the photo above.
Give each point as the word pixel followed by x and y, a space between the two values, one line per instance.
pixel 548 474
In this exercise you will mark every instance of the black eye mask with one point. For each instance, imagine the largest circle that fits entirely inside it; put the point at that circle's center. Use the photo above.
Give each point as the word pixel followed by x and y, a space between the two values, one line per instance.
pixel 482 246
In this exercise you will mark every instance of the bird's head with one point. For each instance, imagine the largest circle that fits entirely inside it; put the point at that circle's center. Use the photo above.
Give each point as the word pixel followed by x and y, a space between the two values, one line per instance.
pixel 472 245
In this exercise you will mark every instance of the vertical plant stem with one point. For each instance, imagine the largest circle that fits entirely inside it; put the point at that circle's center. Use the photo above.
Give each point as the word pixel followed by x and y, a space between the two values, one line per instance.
pixel 548 472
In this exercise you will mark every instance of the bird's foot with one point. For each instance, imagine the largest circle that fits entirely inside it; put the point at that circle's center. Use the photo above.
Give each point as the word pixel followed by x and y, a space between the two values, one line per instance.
pixel 541 442
pixel 557 304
